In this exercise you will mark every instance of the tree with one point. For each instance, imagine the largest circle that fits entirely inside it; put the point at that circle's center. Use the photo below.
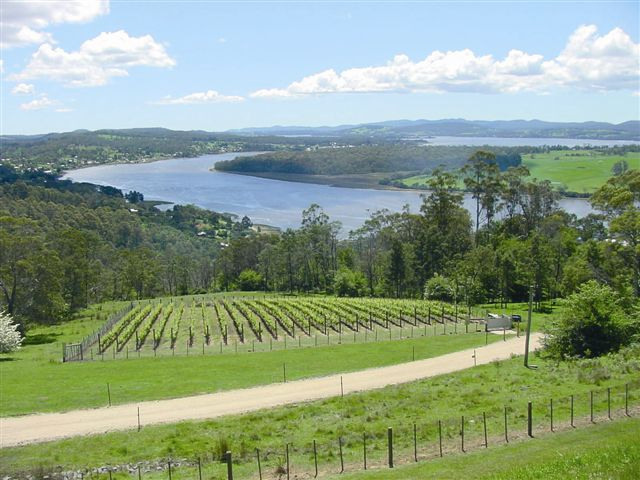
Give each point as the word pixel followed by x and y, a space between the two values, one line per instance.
pixel 395 271
pixel 593 323
pixel 10 338
pixel 619 198
pixel 620 167
pixel 249 280
pixel 482 178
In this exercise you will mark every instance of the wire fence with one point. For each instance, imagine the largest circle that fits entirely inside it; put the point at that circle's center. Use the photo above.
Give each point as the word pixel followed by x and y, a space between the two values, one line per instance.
pixel 411 442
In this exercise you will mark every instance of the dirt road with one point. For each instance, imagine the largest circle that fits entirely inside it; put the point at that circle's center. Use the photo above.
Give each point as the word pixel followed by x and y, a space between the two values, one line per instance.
pixel 52 426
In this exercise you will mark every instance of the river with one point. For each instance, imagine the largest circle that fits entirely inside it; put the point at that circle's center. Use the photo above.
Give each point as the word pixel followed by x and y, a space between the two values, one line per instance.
pixel 265 201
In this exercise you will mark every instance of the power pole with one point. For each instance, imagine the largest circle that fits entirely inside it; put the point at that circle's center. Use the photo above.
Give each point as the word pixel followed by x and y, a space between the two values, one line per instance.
pixel 526 342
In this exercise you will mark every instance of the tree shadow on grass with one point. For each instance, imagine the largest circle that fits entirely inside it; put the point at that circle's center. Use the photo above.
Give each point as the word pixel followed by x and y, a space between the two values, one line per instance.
pixel 40 339
pixel 6 359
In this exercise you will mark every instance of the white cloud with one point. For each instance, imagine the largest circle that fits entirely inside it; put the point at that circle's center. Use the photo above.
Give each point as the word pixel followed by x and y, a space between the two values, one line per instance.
pixel 210 96
pixel 108 55
pixel 222 40
pixel 23 89
pixel 64 110
pixel 22 23
pixel 1 65
pixel 588 61
pixel 38 103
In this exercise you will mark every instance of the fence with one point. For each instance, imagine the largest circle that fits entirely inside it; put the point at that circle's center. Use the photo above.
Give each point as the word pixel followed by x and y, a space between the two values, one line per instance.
pixel 394 446
pixel 79 351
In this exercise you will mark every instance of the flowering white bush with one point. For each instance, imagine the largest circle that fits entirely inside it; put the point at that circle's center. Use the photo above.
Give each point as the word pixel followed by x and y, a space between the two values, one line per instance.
pixel 10 338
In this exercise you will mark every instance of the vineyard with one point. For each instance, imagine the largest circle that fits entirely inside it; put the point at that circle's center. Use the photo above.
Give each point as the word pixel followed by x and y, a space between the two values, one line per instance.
pixel 204 324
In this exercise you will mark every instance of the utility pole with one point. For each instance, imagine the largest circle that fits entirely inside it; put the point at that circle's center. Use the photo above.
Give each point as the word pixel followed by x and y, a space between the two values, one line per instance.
pixel 526 342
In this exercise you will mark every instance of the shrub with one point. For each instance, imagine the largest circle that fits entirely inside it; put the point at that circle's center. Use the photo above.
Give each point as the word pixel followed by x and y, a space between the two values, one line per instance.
pixel 592 324
pixel 10 338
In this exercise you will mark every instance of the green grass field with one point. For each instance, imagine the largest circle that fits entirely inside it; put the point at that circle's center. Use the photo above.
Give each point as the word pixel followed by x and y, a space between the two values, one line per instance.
pixel 32 383
pixel 578 171
pixel 487 388
pixel 605 451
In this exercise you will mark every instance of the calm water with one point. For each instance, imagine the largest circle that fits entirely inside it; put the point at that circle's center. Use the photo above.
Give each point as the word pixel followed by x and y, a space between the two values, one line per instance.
pixel 533 142
pixel 272 202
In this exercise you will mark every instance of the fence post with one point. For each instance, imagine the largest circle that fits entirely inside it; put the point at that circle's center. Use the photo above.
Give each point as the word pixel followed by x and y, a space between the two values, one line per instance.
pixel 259 466
pixel 626 399
pixel 506 431
pixel 109 393
pixel 551 412
pixel 529 420
pixel 415 442
pixel 315 458
pixel 440 435
pixel 462 432
pixel 390 445
pixel 284 372
pixel 364 449
pixel 341 457
pixel 287 456
pixel 169 464
pixel 139 473
pixel 572 411
pixel 591 405
pixel 229 466
pixel 139 427
pixel 609 402
pixel 484 420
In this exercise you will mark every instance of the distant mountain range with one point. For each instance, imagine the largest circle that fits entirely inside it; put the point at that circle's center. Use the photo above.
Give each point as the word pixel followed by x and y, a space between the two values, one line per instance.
pixel 458 127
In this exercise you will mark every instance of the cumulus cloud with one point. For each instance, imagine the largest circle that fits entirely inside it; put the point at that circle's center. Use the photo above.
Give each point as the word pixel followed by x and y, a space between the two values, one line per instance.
pixel 38 103
pixel 23 89
pixel 588 61
pixel 22 23
pixel 108 55
pixel 210 96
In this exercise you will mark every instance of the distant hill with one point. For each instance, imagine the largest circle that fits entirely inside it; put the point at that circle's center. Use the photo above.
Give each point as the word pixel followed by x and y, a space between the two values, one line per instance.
pixel 458 127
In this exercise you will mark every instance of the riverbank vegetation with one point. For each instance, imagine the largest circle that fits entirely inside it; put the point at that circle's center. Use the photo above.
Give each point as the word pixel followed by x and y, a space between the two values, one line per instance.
pixel 65 245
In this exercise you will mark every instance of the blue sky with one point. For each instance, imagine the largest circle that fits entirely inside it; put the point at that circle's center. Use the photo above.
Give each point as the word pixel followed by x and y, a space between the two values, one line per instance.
pixel 215 66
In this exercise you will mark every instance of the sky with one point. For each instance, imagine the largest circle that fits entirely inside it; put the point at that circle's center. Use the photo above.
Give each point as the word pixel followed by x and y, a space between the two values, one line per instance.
pixel 214 66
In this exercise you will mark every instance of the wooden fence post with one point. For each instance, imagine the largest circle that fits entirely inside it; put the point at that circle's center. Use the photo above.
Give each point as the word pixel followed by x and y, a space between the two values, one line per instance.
pixel 364 449
pixel 109 393
pixel 169 465
pixel 530 419
pixel 440 436
pixel 229 465
pixel 287 457
pixel 609 402
pixel 572 411
pixel 415 442
pixel 462 432
pixel 315 458
pixel 484 420
pixel 390 445
pixel 341 457
pixel 626 399
pixel 591 405
pixel 259 466
pixel 506 431
pixel 551 412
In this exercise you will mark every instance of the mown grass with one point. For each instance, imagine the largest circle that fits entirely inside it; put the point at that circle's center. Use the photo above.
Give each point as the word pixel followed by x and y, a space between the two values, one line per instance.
pixel 577 171
pixel 487 388
pixel 580 171
pixel 31 383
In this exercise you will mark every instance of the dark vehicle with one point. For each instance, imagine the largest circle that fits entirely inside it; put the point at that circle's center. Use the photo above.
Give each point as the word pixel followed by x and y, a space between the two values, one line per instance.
pixel 516 318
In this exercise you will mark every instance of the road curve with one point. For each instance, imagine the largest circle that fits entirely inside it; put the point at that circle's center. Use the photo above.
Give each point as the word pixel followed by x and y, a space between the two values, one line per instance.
pixel 52 426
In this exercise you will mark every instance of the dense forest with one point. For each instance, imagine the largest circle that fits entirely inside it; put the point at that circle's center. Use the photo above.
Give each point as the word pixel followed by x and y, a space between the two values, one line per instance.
pixel 518 238
pixel 365 159
pixel 64 245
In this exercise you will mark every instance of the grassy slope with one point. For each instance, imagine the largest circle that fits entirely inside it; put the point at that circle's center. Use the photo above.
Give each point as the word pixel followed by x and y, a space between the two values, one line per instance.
pixel 582 174
pixel 35 381
pixel 485 388
pixel 605 451
pixel 579 171
pixel 43 386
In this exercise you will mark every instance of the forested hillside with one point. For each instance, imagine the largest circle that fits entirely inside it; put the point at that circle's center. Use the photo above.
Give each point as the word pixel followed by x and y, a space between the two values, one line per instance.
pixel 364 159
pixel 65 245
pixel 60 151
